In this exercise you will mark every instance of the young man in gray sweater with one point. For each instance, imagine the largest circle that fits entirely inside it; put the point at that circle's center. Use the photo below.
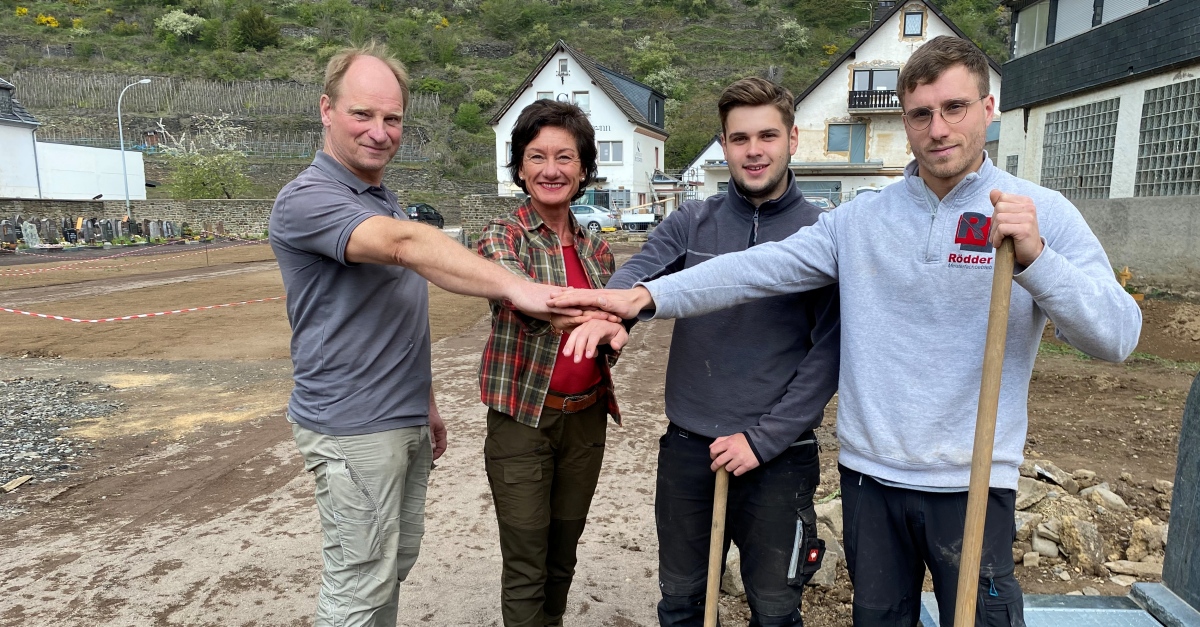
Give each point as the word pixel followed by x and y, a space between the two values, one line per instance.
pixel 745 386
pixel 913 264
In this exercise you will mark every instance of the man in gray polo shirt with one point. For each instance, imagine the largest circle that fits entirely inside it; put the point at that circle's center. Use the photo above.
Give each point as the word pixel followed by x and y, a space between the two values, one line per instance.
pixel 356 273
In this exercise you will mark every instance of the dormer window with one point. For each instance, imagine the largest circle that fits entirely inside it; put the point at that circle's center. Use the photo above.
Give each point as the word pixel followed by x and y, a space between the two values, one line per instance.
pixel 6 106
pixel 914 24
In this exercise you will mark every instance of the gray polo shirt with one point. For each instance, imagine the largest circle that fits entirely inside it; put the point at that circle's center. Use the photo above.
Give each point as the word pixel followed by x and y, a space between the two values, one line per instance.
pixel 360 332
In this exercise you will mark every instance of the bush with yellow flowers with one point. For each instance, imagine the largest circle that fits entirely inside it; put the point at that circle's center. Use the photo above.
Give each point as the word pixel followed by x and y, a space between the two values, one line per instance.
pixel 48 21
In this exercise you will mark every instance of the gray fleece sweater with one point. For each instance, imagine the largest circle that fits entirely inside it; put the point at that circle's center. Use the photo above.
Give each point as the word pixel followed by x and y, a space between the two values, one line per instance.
pixel 765 369
pixel 915 283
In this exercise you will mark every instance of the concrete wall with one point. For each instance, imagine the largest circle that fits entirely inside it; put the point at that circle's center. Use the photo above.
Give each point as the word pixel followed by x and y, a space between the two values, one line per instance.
pixel 83 172
pixel 1026 140
pixel 1158 238
pixel 18 174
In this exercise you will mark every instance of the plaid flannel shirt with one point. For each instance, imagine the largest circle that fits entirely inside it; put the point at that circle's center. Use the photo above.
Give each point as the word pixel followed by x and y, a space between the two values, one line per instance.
pixel 520 353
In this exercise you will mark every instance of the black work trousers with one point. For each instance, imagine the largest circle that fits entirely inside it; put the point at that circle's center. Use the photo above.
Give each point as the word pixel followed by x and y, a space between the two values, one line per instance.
pixel 770 517
pixel 892 534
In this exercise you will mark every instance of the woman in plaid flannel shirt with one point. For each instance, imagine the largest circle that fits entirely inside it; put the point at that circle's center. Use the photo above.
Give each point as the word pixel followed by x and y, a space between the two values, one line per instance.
pixel 547 414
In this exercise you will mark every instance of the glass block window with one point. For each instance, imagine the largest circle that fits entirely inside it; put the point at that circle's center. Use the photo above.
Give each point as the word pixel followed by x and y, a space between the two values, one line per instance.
pixel 1169 145
pixel 1010 164
pixel 1078 149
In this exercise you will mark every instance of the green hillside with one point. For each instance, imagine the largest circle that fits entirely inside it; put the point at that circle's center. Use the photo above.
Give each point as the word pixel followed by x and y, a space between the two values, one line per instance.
pixel 472 53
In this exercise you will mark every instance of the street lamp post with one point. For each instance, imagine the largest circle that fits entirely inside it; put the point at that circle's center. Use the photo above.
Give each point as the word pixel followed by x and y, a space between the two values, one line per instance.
pixel 121 132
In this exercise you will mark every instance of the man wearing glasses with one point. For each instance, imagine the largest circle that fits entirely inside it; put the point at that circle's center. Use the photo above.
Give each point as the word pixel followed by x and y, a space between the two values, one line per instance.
pixel 914 267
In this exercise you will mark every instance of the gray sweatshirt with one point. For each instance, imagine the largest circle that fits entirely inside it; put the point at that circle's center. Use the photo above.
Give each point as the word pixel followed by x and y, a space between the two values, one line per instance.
pixel 765 369
pixel 915 284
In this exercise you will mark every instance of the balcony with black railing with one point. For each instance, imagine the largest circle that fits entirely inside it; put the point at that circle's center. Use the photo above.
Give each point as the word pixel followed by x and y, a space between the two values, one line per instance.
pixel 879 100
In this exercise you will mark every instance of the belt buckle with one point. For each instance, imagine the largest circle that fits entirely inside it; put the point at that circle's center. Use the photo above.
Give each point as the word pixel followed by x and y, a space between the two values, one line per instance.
pixel 573 399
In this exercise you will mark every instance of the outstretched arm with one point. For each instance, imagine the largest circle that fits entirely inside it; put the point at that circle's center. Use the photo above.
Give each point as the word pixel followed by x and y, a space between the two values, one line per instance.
pixel 446 263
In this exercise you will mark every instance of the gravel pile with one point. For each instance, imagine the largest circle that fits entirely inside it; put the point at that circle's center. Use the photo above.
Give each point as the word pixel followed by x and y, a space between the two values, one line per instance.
pixel 34 413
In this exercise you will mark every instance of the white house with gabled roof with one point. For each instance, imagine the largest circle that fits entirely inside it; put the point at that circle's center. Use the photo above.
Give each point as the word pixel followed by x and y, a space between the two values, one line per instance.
pixel 851 133
pixel 628 118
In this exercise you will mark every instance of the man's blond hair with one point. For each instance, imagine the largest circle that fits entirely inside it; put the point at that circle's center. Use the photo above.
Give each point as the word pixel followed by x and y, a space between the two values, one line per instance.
pixel 335 71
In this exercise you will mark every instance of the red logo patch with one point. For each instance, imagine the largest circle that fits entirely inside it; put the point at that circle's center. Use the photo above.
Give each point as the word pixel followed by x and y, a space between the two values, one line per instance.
pixel 973 231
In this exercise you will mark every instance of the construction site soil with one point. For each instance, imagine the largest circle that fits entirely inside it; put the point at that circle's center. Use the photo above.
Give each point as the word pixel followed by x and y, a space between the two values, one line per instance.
pixel 192 507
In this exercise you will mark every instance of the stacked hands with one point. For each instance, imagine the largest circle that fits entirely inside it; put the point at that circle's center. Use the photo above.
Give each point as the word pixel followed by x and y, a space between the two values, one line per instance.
pixel 596 317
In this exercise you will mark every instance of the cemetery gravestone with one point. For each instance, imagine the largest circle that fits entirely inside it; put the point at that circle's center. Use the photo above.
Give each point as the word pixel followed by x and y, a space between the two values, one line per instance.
pixel 52 232
pixel 169 229
pixel 156 230
pixel 89 235
pixel 107 230
pixel 43 229
pixel 30 233
pixel 8 234
pixel 146 226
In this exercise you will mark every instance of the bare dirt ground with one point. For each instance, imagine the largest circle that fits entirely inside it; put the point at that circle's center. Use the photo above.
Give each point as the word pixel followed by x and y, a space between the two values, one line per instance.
pixel 195 510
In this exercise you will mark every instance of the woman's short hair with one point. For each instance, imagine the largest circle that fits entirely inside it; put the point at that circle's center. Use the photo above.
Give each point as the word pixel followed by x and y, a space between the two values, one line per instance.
pixel 549 113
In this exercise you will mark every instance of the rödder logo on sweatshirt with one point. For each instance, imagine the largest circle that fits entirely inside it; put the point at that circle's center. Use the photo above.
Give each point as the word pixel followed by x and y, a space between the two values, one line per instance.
pixel 973 242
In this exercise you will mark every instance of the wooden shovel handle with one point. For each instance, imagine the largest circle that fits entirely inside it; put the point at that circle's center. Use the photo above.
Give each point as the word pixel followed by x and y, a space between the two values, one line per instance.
pixel 716 543
pixel 985 435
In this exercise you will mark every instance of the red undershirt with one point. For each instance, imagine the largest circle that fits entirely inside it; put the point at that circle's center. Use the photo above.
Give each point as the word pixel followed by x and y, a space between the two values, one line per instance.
pixel 570 377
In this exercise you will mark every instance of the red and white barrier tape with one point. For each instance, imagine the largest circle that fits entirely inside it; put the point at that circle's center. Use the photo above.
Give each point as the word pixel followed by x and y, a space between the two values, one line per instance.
pixel 138 316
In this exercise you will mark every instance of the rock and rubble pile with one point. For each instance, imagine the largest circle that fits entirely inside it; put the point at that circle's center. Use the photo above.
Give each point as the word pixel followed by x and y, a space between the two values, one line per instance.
pixel 1073 522
pixel 34 416
pixel 1070 525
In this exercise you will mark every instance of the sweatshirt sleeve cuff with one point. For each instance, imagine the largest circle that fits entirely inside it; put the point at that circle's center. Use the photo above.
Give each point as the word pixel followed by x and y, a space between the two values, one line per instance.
pixel 655 292
pixel 753 448
pixel 1043 275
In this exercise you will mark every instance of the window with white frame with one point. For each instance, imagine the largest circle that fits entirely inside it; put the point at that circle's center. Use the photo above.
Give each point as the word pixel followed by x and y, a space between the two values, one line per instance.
pixel 1169 142
pixel 1078 146
pixel 583 100
pixel 611 152
pixel 545 95
pixel 876 79
pixel 1032 24
pixel 914 23
pixel 507 152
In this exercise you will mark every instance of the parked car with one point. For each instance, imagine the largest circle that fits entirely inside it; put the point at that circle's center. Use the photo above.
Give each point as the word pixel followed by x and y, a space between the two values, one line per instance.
pixel 821 202
pixel 596 219
pixel 421 212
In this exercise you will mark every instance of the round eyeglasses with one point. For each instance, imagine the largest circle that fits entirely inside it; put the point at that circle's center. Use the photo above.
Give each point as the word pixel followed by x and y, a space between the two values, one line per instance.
pixel 952 112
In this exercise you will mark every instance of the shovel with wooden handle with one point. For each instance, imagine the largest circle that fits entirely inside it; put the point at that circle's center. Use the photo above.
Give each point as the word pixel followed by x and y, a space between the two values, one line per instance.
pixel 985 435
pixel 716 543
